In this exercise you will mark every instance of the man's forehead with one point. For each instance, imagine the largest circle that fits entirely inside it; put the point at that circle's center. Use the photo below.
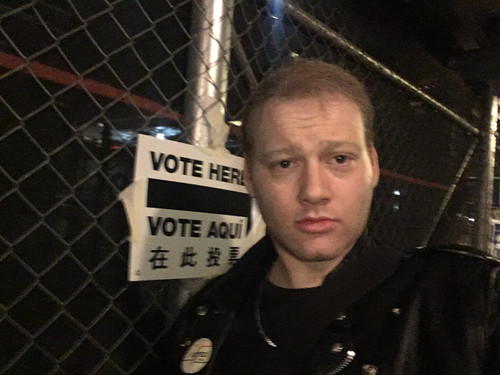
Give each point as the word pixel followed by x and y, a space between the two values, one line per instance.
pixel 277 108
pixel 304 109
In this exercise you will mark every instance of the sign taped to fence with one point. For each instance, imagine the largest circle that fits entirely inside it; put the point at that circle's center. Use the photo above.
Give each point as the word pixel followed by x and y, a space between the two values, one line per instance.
pixel 188 212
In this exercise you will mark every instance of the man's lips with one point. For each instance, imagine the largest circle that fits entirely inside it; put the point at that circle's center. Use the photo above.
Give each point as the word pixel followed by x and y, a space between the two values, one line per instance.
pixel 315 224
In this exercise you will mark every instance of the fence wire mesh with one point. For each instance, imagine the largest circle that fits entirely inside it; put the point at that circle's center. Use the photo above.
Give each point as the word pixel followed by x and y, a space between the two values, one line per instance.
pixel 80 79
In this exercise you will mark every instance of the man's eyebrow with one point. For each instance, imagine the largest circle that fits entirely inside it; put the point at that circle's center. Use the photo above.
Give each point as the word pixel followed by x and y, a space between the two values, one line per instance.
pixel 324 145
pixel 281 150
pixel 338 144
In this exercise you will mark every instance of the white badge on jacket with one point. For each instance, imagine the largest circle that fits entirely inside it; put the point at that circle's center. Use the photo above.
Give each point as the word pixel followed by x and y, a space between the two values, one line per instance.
pixel 197 356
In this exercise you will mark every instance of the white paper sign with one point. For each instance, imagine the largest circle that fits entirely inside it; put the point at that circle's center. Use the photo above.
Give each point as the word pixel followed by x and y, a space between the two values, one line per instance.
pixel 188 212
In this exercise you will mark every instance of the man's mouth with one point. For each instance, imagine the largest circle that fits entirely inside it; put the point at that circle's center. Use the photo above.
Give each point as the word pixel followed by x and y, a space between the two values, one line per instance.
pixel 316 224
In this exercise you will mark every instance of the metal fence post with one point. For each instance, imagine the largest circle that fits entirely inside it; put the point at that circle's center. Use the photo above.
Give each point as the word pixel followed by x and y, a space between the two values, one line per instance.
pixel 204 106
pixel 483 239
pixel 208 66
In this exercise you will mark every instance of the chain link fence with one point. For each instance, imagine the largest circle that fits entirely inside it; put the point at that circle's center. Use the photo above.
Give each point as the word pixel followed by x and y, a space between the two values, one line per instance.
pixel 80 79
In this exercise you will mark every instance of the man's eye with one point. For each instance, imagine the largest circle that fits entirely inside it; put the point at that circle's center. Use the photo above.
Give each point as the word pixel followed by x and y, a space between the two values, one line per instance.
pixel 285 164
pixel 341 159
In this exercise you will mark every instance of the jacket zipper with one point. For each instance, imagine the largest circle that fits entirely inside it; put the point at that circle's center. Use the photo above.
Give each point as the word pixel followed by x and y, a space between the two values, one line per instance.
pixel 345 362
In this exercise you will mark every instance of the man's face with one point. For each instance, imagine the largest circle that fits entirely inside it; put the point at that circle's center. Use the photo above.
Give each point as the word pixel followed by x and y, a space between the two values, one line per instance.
pixel 312 175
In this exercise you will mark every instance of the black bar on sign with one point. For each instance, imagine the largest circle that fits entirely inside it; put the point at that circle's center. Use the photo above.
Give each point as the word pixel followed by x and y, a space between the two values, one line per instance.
pixel 186 197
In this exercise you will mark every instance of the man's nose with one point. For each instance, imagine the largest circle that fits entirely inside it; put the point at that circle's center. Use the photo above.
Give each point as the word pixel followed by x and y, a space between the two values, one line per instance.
pixel 314 186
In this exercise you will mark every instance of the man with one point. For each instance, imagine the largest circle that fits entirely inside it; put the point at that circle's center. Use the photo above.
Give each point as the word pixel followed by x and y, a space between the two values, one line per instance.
pixel 316 295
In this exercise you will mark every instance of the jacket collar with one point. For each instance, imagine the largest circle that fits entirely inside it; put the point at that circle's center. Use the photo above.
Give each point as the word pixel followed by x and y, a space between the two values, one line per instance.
pixel 365 267
pixel 229 290
pixel 368 267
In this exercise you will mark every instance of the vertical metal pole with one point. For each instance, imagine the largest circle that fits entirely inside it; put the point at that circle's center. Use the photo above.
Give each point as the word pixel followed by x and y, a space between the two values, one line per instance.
pixel 483 239
pixel 205 100
pixel 208 66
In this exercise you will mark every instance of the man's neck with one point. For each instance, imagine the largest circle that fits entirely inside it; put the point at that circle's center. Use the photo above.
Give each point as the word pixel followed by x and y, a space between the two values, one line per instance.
pixel 289 272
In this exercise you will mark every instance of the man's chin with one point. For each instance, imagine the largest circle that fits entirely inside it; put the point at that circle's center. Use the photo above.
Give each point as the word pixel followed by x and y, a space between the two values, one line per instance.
pixel 309 255
pixel 318 258
pixel 312 248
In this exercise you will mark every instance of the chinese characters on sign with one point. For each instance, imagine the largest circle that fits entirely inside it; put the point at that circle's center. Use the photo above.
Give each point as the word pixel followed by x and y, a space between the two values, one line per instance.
pixel 188 212
pixel 189 257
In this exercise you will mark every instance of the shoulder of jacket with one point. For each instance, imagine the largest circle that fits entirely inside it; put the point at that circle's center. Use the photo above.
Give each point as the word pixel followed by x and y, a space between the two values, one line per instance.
pixel 466 253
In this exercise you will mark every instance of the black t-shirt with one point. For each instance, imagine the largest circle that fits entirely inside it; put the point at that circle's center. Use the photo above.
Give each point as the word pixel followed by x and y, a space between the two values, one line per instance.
pixel 293 319
pixel 288 318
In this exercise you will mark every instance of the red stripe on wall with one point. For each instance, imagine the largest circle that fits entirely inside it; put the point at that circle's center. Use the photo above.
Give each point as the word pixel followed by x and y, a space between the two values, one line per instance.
pixel 413 180
pixel 65 78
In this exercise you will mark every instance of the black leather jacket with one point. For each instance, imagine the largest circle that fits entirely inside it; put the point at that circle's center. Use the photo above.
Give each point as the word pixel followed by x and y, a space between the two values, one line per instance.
pixel 428 311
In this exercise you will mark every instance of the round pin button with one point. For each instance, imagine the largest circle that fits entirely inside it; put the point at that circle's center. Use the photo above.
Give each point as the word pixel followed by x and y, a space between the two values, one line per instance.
pixel 202 310
pixel 197 356
pixel 369 370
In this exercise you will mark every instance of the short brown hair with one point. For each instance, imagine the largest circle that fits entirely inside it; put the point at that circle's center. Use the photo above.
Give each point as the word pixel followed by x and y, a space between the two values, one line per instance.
pixel 304 79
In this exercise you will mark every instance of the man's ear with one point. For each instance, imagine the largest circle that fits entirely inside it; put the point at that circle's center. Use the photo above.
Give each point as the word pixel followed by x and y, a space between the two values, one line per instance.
pixel 375 166
pixel 247 170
